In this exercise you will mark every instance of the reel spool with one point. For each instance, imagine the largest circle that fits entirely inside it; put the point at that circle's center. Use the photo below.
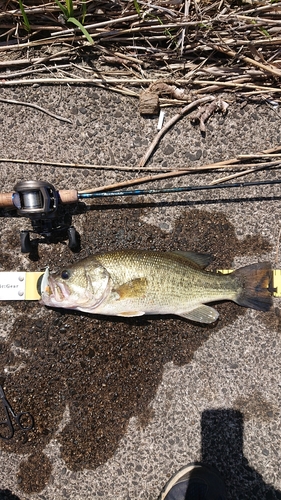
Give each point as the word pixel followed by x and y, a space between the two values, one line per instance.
pixel 35 199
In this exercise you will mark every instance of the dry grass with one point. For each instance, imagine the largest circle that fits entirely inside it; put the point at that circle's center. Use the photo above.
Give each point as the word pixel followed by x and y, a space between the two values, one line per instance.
pixel 203 46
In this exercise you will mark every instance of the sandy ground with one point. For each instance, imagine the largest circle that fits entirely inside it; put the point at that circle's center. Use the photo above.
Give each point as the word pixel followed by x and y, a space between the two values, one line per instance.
pixel 121 404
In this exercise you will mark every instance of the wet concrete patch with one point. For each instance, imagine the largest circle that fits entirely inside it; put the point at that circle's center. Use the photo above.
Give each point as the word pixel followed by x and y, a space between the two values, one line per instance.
pixel 34 473
pixel 104 370
pixel 256 406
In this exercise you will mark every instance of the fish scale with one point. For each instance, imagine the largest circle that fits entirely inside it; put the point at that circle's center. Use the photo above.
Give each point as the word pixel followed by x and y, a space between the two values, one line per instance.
pixel 137 282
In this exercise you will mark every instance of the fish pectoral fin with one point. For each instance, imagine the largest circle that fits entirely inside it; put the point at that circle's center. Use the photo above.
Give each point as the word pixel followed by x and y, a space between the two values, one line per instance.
pixel 133 289
pixel 201 260
pixel 131 314
pixel 201 314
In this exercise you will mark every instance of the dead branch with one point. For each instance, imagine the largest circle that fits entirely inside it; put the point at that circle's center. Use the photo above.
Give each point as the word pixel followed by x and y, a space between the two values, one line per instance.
pixel 176 173
pixel 268 68
pixel 248 38
pixel 81 165
pixel 35 106
pixel 204 112
pixel 169 124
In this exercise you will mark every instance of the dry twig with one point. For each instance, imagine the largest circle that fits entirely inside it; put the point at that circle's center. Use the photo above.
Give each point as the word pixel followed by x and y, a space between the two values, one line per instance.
pixel 35 106
pixel 232 37
pixel 169 124
pixel 204 113
pixel 82 165
pixel 233 162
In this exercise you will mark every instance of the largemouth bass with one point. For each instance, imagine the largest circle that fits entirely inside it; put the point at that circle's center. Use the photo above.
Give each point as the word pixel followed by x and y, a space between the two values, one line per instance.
pixel 137 282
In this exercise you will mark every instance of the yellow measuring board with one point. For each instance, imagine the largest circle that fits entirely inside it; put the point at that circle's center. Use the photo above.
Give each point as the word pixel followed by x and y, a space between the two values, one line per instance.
pixel 31 291
pixel 24 285
pixel 19 285
pixel 275 282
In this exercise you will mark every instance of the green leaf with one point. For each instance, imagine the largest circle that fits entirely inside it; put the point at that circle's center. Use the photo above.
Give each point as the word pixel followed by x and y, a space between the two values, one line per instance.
pixel 69 6
pixel 24 16
pixel 204 25
pixel 265 32
pixel 84 31
pixel 63 9
pixel 84 10
pixel 137 7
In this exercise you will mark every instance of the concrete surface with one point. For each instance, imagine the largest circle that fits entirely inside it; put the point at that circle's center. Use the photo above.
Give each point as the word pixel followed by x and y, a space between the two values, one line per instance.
pixel 203 393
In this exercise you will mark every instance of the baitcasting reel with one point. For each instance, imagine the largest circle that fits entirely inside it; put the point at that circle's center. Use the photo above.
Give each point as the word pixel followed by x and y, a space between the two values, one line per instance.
pixel 42 204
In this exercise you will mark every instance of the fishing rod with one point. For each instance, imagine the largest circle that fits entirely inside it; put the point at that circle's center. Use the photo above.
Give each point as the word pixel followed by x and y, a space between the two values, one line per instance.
pixel 179 189
pixel 41 203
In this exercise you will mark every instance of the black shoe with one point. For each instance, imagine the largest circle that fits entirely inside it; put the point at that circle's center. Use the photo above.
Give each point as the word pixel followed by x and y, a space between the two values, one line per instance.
pixel 194 482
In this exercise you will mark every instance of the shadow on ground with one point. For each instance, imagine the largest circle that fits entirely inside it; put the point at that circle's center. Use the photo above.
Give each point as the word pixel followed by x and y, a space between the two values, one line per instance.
pixel 87 376
pixel 8 495
pixel 222 447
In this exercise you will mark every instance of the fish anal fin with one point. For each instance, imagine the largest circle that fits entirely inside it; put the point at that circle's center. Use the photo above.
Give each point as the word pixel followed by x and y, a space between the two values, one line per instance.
pixel 131 314
pixel 201 260
pixel 133 289
pixel 201 314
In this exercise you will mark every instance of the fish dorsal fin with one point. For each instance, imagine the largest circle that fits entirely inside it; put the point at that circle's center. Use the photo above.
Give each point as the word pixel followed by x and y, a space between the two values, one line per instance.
pixel 202 260
pixel 133 289
pixel 201 314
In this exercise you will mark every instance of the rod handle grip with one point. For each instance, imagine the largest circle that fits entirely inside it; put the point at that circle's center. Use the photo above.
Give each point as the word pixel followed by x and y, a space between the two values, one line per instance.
pixel 6 200
pixel 68 195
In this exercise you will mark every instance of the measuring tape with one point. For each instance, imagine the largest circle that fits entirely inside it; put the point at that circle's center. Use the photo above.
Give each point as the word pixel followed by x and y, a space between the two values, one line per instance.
pixel 29 285
pixel 276 282
pixel 21 285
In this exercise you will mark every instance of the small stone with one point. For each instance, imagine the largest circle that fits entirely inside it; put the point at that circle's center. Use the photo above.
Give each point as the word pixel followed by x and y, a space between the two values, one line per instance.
pixel 168 150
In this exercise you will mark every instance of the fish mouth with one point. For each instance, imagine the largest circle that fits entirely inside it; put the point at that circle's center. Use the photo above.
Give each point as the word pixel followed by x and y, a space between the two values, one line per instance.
pixel 55 293
pixel 58 294
pixel 60 291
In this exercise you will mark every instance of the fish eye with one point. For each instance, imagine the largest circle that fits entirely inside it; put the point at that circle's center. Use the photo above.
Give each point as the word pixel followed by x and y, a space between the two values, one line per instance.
pixel 65 274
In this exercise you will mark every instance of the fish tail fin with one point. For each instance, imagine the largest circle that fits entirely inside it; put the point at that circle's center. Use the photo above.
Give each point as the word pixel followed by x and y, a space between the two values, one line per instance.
pixel 256 281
